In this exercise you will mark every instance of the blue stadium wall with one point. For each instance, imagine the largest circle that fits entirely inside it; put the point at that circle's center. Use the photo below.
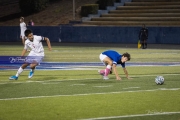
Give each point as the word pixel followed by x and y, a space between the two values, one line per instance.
pixel 82 34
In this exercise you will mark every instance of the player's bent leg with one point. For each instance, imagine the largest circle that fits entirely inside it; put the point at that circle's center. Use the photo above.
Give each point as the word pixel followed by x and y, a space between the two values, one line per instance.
pixel 110 71
pixel 145 44
pixel 20 70
pixel 24 65
pixel 108 63
pixel 108 67
pixel 107 70
pixel 31 73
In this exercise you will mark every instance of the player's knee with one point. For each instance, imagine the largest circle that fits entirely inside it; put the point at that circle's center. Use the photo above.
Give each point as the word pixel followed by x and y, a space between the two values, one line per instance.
pixel 24 66
pixel 32 66
pixel 110 63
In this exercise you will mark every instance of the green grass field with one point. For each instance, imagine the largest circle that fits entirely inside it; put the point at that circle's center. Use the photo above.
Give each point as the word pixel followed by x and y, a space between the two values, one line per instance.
pixel 84 95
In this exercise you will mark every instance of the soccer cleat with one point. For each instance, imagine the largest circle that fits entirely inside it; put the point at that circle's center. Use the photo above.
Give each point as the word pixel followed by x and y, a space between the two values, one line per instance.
pixel 13 78
pixel 105 77
pixel 101 73
pixel 107 71
pixel 31 73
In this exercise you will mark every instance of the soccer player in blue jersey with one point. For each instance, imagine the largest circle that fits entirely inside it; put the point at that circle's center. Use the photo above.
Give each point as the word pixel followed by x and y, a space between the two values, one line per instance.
pixel 111 58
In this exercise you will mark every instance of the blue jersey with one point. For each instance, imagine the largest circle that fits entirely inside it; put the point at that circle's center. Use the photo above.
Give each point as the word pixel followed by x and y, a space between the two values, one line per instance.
pixel 114 56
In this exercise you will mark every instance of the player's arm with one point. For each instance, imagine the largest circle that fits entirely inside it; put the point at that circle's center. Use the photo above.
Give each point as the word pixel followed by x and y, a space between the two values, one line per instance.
pixel 126 73
pixel 48 43
pixel 115 72
pixel 23 52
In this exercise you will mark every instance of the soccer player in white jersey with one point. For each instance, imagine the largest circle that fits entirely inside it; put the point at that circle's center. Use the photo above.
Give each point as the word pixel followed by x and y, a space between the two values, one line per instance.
pixel 111 58
pixel 33 42
pixel 22 29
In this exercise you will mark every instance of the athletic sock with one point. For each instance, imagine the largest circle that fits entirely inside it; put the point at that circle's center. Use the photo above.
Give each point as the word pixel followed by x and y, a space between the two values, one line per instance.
pixel 107 70
pixel 20 70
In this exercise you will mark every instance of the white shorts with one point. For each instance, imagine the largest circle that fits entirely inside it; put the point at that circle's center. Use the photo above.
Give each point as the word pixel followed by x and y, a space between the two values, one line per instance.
pixel 35 57
pixel 22 35
pixel 102 57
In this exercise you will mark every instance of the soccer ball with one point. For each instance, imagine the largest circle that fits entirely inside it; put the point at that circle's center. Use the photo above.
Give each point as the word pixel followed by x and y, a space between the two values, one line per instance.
pixel 159 80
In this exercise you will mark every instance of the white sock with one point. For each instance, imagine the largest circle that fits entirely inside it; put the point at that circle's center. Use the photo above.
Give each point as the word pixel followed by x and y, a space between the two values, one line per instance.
pixel 108 66
pixel 20 70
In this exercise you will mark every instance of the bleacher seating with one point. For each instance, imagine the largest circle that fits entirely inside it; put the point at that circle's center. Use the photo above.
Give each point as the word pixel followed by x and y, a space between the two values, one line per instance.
pixel 138 12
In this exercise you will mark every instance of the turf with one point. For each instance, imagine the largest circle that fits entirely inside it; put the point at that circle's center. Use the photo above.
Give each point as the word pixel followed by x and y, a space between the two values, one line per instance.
pixel 82 94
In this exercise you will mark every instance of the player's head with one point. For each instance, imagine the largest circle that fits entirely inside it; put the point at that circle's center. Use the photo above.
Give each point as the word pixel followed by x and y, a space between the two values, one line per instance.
pixel 143 26
pixel 28 33
pixel 21 19
pixel 125 57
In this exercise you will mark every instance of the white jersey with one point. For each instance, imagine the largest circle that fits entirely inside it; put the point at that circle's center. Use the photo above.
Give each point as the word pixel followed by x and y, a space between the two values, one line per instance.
pixel 35 45
pixel 22 28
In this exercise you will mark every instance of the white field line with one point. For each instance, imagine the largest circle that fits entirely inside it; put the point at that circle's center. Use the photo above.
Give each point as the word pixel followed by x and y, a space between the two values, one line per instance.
pixel 51 83
pixel 154 75
pixel 77 84
pixel 131 88
pixel 128 116
pixel 103 86
pixel 23 98
pixel 28 81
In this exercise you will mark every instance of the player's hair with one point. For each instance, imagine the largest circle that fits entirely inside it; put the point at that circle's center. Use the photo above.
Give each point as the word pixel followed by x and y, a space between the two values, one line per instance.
pixel 27 32
pixel 22 18
pixel 127 55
